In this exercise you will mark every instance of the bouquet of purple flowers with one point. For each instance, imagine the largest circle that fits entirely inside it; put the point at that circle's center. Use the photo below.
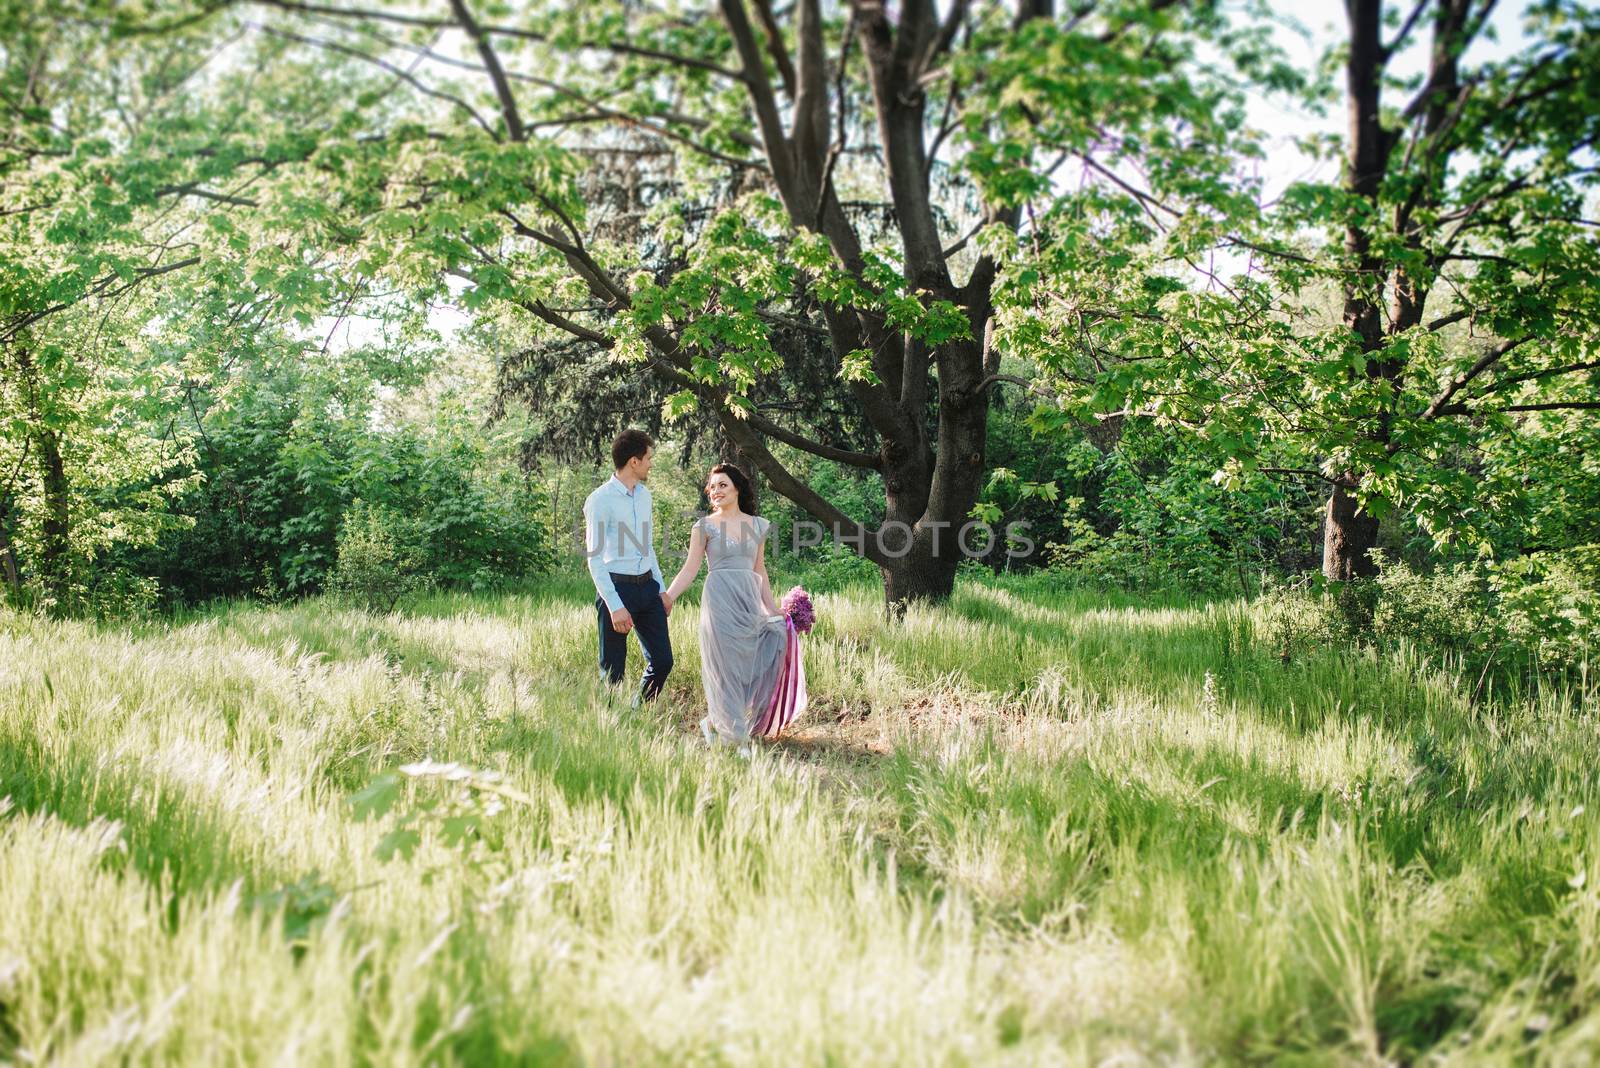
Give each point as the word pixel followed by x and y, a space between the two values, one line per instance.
pixel 797 606
pixel 789 696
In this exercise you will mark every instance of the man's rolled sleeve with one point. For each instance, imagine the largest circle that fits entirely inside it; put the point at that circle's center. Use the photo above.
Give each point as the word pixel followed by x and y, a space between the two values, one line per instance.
pixel 650 525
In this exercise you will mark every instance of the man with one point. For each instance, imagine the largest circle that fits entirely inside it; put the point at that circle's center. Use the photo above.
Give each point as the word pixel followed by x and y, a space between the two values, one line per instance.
pixel 620 545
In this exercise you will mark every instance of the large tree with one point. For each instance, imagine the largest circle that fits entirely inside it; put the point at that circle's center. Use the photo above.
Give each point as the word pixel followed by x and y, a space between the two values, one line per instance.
pixel 1465 203
pixel 128 161
pixel 581 397
pixel 70 254
pixel 1394 330
pixel 847 172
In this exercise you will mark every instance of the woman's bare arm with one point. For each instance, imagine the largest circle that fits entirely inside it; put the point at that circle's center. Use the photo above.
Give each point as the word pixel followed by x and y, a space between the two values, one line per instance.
pixel 766 582
pixel 691 566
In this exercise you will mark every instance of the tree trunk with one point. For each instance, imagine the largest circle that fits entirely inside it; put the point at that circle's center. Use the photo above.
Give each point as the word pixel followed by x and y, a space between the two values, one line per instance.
pixel 1349 534
pixel 13 575
pixel 55 540
pixel 917 576
pixel 927 508
pixel 1348 537
pixel 8 556
pixel 728 452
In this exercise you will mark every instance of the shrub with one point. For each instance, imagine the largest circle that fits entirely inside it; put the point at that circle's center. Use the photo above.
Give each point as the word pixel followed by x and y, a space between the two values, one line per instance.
pixel 376 563
pixel 1294 619
pixel 474 531
pixel 1449 611
pixel 292 447
pixel 1512 627
pixel 839 569
pixel 121 594
pixel 1548 606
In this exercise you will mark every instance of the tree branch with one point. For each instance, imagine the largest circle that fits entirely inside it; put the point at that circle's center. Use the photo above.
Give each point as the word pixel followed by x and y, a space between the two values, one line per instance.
pixel 383 64
pixel 754 75
pixel 665 133
pixel 869 460
pixel 1445 320
pixel 1031 387
pixel 825 195
pixel 1305 471
pixel 1553 406
pixel 600 112
pixel 810 124
pixel 677 376
pixel 946 36
pixel 98 288
pixel 597 277
pixel 497 74
pixel 618 47
pixel 1487 360
pixel 1405 29
pixel 775 46
pixel 784 481
pixel 194 189
pixel 559 321
pixel 1500 384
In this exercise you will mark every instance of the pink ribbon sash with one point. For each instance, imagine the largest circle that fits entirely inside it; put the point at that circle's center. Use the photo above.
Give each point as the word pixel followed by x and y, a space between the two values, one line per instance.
pixel 789 699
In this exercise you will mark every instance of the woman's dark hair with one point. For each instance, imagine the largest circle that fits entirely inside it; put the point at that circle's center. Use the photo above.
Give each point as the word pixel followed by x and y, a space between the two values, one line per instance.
pixel 630 443
pixel 741 482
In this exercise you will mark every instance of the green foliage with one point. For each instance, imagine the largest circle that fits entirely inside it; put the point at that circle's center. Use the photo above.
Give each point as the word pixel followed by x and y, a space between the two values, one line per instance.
pixel 463 815
pixel 1262 365
pixel 130 280
pixel 290 444
pixel 183 428
pixel 1298 620
pixel 376 563
pixel 1147 513
pixel 1550 605
pixel 477 526
pixel 1513 630
pixel 1514 626
pixel 304 905
pixel 1447 612
pixel 831 568
pixel 117 593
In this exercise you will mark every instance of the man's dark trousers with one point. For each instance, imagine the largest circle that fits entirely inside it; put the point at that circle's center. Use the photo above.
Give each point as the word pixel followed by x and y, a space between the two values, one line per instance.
pixel 643 602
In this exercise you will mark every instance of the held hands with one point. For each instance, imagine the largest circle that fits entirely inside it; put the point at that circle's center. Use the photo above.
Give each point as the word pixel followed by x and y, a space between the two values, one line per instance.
pixel 666 602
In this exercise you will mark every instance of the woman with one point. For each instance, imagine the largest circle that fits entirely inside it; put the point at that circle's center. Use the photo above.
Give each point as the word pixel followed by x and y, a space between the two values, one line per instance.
pixel 743 635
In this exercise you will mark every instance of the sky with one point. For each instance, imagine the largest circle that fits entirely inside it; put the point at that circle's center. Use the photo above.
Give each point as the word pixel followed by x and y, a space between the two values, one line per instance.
pixel 1324 21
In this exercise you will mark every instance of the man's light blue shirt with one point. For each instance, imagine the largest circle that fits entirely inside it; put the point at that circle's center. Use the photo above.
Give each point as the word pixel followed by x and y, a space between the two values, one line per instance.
pixel 618 528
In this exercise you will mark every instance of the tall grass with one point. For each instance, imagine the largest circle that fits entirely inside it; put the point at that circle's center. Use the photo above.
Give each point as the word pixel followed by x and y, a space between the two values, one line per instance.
pixel 1032 826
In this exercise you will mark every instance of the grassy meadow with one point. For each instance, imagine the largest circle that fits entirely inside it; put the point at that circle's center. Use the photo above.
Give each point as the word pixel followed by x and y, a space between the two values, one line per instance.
pixel 1033 826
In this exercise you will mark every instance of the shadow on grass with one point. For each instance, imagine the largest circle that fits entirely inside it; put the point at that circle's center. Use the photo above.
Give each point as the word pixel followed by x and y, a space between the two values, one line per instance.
pixel 589 756
pixel 1168 653
pixel 1069 826
pixel 172 840
pixel 814 746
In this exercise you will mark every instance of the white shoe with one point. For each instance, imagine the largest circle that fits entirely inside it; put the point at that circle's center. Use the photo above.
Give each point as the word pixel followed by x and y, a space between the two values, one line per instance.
pixel 747 750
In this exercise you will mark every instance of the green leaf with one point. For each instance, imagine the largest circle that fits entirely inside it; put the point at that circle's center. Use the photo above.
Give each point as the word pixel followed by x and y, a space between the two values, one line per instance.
pixel 401 841
pixel 377 798
pixel 677 405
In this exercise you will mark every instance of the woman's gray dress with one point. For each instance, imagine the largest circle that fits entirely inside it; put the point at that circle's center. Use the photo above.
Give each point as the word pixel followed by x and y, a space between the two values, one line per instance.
pixel 741 645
